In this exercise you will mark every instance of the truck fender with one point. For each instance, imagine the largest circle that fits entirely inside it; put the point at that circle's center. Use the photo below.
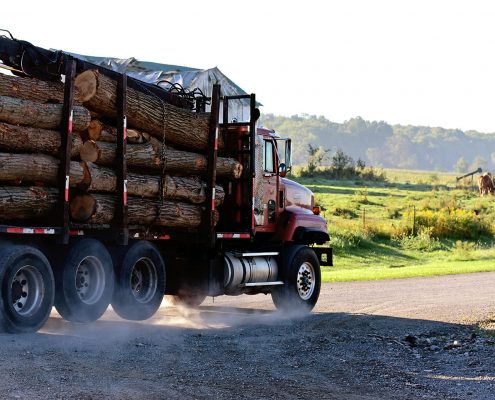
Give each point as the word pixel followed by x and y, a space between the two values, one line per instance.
pixel 310 235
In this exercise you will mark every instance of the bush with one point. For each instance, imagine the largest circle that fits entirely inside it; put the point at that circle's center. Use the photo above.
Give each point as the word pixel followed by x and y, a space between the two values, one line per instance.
pixel 423 241
pixel 361 196
pixel 462 251
pixel 457 223
pixel 345 239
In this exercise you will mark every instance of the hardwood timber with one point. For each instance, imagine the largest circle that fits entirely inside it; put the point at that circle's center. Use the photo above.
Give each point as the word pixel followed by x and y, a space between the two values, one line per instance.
pixel 32 140
pixel 41 168
pixel 147 155
pixel 48 116
pixel 33 89
pixel 190 189
pixel 26 203
pixel 146 112
pixel 100 209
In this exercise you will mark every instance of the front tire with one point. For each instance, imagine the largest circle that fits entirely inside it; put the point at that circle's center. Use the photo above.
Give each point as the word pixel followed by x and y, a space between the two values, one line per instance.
pixel 302 281
pixel 140 282
pixel 84 281
pixel 27 289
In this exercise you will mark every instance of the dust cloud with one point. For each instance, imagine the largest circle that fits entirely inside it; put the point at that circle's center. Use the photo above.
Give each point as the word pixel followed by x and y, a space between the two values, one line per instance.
pixel 213 314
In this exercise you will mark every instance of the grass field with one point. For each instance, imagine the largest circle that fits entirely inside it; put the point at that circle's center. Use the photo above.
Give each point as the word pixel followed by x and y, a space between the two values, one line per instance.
pixel 413 224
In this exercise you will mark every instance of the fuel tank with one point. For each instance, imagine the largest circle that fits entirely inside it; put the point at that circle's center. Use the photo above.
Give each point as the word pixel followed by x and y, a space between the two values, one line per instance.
pixel 240 270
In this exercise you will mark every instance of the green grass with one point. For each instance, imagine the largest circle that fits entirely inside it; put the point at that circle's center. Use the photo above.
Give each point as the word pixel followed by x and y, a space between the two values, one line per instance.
pixel 378 267
pixel 374 237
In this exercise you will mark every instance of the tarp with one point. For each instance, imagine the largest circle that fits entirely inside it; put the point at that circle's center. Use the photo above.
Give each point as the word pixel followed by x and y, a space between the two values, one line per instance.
pixel 189 78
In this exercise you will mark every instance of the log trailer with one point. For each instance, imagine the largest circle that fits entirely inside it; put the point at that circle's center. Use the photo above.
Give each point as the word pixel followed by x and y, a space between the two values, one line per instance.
pixel 260 240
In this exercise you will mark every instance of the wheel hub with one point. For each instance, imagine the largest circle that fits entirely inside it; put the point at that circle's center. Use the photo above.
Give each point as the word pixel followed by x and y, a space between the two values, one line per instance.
pixel 305 281
pixel 27 290
pixel 144 280
pixel 90 280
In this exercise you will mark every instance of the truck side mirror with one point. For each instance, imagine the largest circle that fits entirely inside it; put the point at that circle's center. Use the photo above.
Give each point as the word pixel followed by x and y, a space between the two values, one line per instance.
pixel 282 170
pixel 288 155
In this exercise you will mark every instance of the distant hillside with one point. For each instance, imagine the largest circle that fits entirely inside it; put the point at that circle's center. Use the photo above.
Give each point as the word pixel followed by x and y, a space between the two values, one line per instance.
pixel 394 146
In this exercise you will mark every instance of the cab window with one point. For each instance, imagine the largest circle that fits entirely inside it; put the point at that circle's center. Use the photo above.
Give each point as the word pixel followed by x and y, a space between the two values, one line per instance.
pixel 269 164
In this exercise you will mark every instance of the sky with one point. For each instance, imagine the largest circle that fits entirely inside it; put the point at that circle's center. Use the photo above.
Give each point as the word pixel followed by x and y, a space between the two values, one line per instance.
pixel 410 61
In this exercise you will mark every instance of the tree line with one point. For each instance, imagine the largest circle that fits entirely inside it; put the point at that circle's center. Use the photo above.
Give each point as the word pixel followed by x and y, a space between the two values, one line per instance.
pixel 380 144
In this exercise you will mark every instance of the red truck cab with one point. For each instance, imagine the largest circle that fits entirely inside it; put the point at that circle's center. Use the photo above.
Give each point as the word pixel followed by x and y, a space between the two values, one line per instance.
pixel 288 207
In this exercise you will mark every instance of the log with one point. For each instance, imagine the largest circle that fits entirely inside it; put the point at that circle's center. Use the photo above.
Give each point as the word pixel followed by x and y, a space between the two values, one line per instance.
pixel 147 155
pixel 106 133
pixel 26 203
pixel 103 153
pixel 40 168
pixel 49 116
pixel 33 89
pixel 32 140
pixel 145 112
pixel 190 189
pixel 100 209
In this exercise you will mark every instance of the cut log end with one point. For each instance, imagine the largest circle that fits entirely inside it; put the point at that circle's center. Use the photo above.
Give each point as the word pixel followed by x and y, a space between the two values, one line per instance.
pixel 86 84
pixel 237 171
pixel 82 207
pixel 89 151
pixel 94 129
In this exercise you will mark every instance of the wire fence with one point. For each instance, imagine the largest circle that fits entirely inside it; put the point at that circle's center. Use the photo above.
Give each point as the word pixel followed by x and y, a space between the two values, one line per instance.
pixel 453 223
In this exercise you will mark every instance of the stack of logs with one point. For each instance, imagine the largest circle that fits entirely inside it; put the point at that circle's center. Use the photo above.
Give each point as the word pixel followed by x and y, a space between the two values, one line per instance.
pixel 165 155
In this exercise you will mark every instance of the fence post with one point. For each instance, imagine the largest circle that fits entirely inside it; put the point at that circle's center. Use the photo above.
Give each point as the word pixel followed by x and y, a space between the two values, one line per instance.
pixel 414 221
pixel 364 218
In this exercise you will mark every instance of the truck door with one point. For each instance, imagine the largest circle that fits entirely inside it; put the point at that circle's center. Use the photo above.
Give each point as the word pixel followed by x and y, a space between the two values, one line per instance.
pixel 270 184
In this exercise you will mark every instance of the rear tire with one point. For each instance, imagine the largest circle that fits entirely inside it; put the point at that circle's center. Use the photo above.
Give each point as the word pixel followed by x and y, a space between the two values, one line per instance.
pixel 140 282
pixel 302 281
pixel 84 282
pixel 27 289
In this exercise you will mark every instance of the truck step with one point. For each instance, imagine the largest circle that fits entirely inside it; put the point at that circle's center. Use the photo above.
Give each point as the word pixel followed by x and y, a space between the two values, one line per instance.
pixel 254 284
pixel 257 254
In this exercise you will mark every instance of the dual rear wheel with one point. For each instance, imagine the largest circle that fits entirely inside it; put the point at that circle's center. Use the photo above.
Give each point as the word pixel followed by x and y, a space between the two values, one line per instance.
pixel 87 282
pixel 81 285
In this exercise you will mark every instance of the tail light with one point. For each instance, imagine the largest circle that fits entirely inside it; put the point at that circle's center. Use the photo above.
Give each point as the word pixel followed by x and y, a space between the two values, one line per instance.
pixel 316 210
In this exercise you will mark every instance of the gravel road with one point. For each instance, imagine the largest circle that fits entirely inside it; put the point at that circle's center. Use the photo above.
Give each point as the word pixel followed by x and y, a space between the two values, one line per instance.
pixel 403 339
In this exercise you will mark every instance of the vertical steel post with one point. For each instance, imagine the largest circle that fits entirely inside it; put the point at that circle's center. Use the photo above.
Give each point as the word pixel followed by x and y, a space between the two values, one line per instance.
pixel 65 148
pixel 252 161
pixel 209 222
pixel 121 214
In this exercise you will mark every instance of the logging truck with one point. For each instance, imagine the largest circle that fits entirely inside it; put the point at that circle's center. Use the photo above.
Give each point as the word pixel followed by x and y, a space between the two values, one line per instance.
pixel 117 192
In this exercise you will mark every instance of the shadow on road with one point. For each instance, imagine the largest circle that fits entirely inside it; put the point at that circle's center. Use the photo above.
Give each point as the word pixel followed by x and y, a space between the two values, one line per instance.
pixel 321 355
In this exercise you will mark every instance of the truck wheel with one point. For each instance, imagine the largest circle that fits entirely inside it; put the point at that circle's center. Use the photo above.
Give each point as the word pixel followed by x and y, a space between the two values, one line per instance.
pixel 140 282
pixel 27 289
pixel 190 300
pixel 302 278
pixel 84 282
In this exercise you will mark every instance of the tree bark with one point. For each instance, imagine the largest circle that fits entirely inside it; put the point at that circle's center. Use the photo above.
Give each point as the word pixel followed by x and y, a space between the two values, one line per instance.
pixel 23 203
pixel 100 209
pixel 33 89
pixel 33 140
pixel 146 112
pixel 104 153
pixel 190 189
pixel 147 156
pixel 49 116
pixel 19 168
